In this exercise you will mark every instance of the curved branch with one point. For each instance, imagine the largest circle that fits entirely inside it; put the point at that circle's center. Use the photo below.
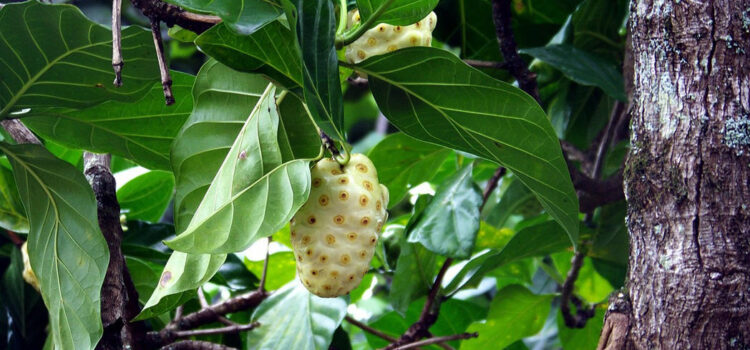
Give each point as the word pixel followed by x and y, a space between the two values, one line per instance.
pixel 172 15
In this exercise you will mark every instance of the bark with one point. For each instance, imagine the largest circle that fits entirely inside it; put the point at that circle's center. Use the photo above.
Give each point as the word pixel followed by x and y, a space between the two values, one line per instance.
pixel 687 179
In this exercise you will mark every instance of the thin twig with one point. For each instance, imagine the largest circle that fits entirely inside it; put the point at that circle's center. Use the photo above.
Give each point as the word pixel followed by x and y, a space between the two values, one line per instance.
pixel 501 13
pixel 486 64
pixel 196 345
pixel 604 143
pixel 369 329
pixel 178 313
pixel 19 132
pixel 172 15
pixel 437 340
pixel 18 241
pixel 223 330
pixel 492 185
pixel 583 313
pixel 166 79
pixel 262 283
pixel 204 304
pixel 117 42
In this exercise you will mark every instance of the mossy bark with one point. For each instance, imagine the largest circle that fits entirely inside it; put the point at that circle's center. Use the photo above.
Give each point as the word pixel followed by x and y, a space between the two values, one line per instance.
pixel 688 179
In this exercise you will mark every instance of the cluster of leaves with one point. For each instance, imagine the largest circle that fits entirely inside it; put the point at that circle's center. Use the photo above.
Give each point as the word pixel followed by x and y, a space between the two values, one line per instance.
pixel 232 157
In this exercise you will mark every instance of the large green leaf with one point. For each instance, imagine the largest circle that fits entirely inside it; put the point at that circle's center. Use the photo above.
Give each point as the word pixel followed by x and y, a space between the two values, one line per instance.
pixel 272 50
pixel 457 106
pixel 545 11
pixel 586 338
pixel 12 215
pixel 244 16
pixel 404 162
pixel 513 198
pixel 281 269
pixel 15 291
pixel 449 224
pixel 147 196
pixel 66 249
pixel 415 271
pixel 53 56
pixel 254 192
pixel 292 318
pixel 182 274
pixel 399 12
pixel 515 313
pixel 536 240
pixel 142 131
pixel 582 67
pixel 316 32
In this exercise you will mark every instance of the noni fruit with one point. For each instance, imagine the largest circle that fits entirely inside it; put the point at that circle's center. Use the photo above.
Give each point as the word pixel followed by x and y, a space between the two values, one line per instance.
pixel 28 273
pixel 384 38
pixel 334 234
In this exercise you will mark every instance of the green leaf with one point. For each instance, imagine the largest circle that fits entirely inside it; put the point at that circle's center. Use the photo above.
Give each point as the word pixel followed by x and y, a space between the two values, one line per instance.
pixel 404 162
pixel 253 179
pixel 515 313
pixel 536 240
pixel 142 131
pixel 147 196
pixel 298 137
pixel 545 11
pixel 66 249
pixel 582 67
pixel 12 215
pixel 399 12
pixel 14 291
pixel 145 276
pixel 53 56
pixel 272 51
pixel 415 271
pixel 459 107
pixel 316 31
pixel 513 198
pixel 281 269
pixel 244 16
pixel 182 274
pixel 292 318
pixel 586 338
pixel 449 224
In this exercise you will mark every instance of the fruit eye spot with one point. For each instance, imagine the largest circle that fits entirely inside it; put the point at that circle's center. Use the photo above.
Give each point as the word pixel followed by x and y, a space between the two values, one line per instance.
pixel 338 219
pixel 363 254
pixel 351 277
pixel 373 240
pixel 330 239
pixel 307 282
pixel 323 258
pixel 345 259
pixel 414 40
pixel 323 200
pixel 392 48
pixel 293 234
pixel 334 274
pixel 299 257
pixel 336 172
pixel 343 195
pixel 327 287
pixel 397 28
pixel 418 24
pixel 381 28
pixel 365 221
pixel 367 184
pixel 362 168
pixel 309 252
pixel 316 182
pixel 343 180
pixel 361 54
pixel 314 272
pixel 372 42
pixel 351 236
pixel 363 200
pixel 306 239
pixel 311 220
pixel 378 205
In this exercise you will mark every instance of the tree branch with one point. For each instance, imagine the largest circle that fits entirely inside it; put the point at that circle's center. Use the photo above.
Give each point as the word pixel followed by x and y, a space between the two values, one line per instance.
pixel 501 14
pixel 166 80
pixel 584 313
pixel 486 64
pixel 196 345
pixel 262 283
pixel 19 132
pixel 369 329
pixel 437 340
pixel 491 185
pixel 329 144
pixel 204 304
pixel 117 42
pixel 172 15
pixel 224 330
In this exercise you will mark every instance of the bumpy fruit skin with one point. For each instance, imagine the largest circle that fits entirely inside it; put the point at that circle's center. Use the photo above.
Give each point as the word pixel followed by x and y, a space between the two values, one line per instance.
pixel 384 38
pixel 334 234
pixel 28 273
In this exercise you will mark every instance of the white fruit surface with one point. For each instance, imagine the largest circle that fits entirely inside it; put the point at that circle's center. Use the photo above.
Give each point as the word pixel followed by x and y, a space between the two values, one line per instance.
pixel 335 233
pixel 384 38
pixel 28 273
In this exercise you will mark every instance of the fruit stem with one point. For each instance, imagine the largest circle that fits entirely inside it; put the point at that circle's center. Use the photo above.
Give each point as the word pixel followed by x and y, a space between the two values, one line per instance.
pixel 342 18
pixel 357 31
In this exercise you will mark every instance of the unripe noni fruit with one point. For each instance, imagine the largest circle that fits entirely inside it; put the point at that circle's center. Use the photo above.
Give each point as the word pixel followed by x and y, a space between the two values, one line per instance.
pixel 28 273
pixel 334 234
pixel 384 38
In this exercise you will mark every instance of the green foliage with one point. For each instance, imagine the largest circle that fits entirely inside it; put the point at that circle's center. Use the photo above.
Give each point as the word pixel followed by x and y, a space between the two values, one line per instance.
pixel 66 248
pixel 232 157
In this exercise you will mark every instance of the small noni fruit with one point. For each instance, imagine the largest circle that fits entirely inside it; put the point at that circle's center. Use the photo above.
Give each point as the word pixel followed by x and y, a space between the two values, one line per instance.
pixel 384 38
pixel 334 234
pixel 28 274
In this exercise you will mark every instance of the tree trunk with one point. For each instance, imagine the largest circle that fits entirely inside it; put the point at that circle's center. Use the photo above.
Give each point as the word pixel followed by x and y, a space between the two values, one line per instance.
pixel 687 179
